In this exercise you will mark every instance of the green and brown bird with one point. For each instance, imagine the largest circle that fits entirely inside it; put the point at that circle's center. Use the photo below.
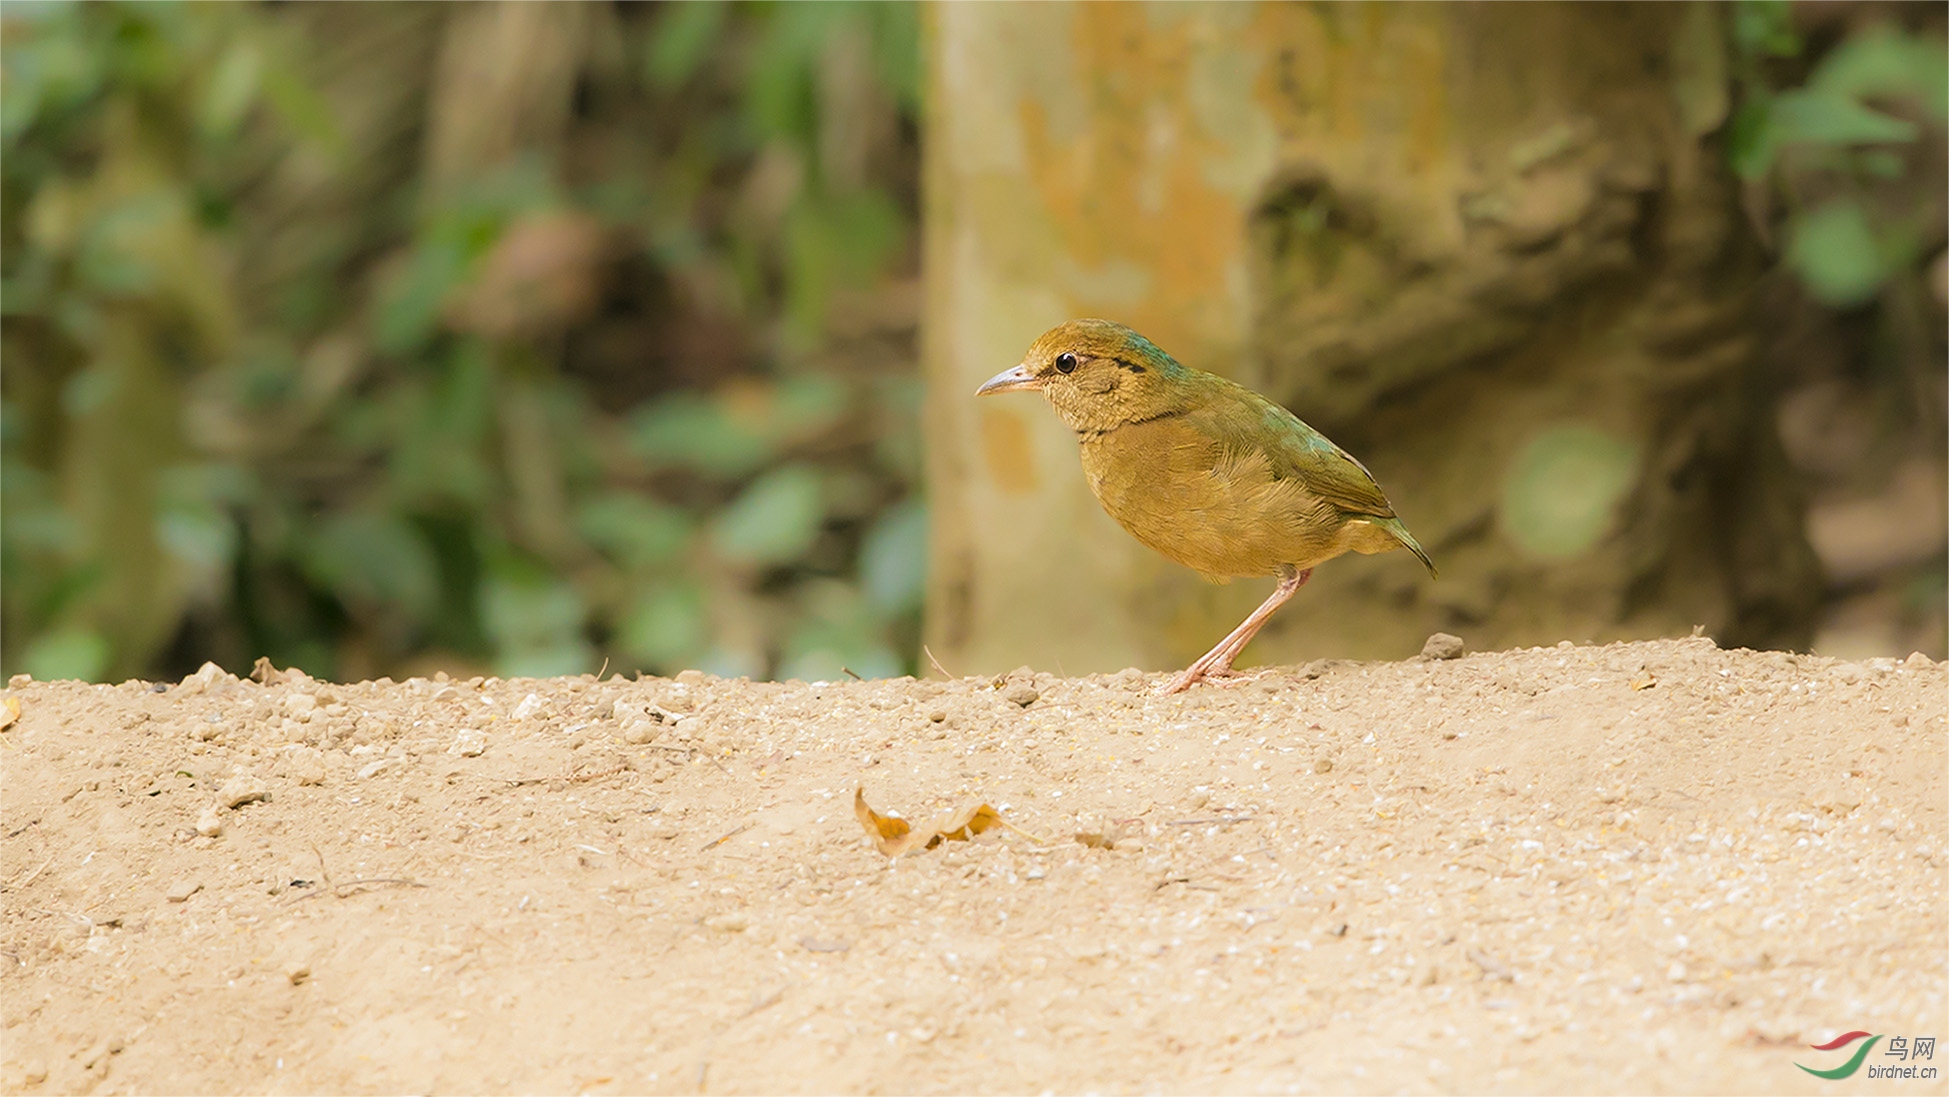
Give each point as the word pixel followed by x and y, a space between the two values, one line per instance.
pixel 1205 471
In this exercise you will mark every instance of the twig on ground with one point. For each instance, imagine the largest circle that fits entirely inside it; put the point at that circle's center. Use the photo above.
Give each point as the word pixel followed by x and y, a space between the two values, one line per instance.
pixel 768 1001
pixel 936 662
pixel 341 891
pixel 18 884
pixel 720 841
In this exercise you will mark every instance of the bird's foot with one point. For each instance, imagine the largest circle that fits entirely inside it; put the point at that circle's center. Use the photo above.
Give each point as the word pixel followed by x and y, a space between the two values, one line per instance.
pixel 1216 675
pixel 1229 677
pixel 1179 684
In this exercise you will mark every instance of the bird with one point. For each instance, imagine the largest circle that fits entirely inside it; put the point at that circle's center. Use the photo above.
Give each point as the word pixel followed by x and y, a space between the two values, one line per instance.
pixel 1204 470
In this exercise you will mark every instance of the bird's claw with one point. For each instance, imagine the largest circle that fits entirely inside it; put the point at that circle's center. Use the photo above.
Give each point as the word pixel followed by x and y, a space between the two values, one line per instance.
pixel 1217 676
pixel 1176 685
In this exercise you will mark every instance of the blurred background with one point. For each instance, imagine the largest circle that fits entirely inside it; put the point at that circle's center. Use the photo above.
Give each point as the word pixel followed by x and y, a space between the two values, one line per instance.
pixel 530 339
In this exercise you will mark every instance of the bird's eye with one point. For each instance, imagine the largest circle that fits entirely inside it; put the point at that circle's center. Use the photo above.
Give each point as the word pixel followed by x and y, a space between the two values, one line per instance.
pixel 1065 362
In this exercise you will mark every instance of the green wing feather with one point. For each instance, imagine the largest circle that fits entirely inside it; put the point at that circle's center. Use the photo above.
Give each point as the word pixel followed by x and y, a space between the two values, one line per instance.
pixel 1240 417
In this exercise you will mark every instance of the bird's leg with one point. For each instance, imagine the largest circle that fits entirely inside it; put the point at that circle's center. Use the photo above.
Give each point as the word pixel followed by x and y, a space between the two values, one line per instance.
pixel 1229 648
pixel 1217 663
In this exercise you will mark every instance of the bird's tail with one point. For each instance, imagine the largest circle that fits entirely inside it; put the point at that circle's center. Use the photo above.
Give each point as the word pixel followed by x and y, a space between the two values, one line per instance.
pixel 1400 533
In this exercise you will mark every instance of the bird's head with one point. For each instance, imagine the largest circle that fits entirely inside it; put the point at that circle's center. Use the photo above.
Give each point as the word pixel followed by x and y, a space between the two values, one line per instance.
pixel 1098 375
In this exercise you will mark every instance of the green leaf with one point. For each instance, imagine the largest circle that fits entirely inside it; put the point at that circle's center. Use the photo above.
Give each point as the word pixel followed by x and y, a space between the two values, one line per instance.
pixel 1813 116
pixel 1748 150
pixel 191 522
pixel 438 431
pixel 682 38
pixel 665 625
pixel 1560 495
pixel 779 95
pixel 534 621
pixel 1764 28
pixel 835 242
pixel 897 50
pixel 1833 250
pixel 739 429
pixel 35 522
pixel 202 538
pixel 893 559
pixel 117 251
pixel 411 300
pixel 691 430
pixel 637 531
pixel 1881 61
pixel 73 652
pixel 230 91
pixel 375 560
pixel 1880 163
pixel 303 109
pixel 801 408
pixel 48 64
pixel 1806 117
pixel 529 607
pixel 774 520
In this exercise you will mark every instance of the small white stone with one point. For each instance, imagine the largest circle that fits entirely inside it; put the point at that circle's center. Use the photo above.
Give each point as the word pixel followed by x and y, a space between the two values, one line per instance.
pixel 307 764
pixel 242 789
pixel 469 743
pixel 209 824
pixel 529 706
pixel 300 705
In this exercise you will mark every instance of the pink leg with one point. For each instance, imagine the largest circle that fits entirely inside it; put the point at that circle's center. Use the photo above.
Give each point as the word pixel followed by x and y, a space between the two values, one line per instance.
pixel 1217 663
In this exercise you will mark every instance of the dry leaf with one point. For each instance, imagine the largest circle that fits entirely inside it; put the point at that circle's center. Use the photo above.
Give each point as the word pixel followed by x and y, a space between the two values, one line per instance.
pixel 9 712
pixel 1644 681
pixel 881 828
pixel 895 837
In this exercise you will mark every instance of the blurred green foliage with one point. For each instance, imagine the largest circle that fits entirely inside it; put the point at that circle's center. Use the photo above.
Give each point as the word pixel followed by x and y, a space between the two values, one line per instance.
pixel 1836 145
pixel 378 338
pixel 1561 495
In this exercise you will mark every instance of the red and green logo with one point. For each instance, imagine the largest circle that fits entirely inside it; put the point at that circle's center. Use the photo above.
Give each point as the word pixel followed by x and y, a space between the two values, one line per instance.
pixel 1854 1062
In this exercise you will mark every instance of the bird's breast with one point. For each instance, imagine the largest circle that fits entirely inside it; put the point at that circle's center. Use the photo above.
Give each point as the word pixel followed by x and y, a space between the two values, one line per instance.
pixel 1215 509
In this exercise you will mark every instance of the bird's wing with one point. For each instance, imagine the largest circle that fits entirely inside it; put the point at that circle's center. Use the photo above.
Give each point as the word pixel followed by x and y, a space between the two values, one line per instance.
pixel 1295 451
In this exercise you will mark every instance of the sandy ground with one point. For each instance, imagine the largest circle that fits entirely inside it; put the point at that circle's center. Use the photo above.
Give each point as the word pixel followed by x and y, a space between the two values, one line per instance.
pixel 1642 867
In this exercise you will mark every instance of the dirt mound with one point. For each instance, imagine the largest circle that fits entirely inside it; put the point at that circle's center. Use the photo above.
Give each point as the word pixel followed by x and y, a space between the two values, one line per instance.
pixel 1650 866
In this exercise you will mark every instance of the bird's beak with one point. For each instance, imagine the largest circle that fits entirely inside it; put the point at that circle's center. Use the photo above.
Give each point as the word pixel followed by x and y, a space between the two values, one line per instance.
pixel 1009 380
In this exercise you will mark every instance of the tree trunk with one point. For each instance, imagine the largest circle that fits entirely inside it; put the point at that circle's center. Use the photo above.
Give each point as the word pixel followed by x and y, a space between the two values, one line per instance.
pixel 1492 250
